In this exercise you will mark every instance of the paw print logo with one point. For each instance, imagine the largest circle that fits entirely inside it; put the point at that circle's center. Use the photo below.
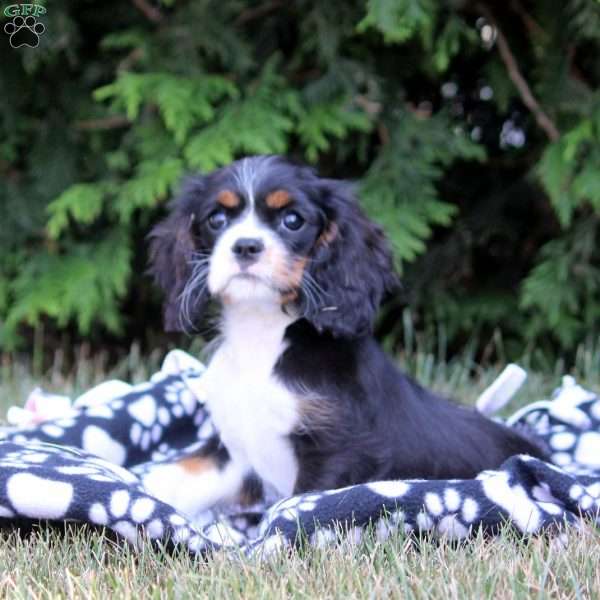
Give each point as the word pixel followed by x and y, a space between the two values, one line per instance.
pixel 24 31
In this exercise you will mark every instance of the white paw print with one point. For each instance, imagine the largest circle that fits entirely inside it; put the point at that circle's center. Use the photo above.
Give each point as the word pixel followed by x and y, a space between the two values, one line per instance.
pixel 586 497
pixel 389 489
pixel 563 440
pixel 149 420
pixel 388 524
pixel 270 546
pixel 29 457
pixel 121 506
pixel 173 391
pixel 291 508
pixel 450 503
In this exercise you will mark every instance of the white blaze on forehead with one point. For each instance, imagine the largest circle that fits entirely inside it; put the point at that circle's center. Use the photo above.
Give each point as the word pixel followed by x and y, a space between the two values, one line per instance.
pixel 248 172
pixel 247 226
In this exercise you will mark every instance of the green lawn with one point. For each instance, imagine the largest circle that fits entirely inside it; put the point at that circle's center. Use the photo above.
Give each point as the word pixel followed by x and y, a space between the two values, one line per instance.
pixel 82 563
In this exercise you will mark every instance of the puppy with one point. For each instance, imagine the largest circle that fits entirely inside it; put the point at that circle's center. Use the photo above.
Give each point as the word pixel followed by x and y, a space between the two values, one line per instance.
pixel 302 396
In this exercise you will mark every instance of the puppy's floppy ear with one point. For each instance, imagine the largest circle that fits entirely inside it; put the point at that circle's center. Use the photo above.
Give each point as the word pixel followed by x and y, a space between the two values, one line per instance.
pixel 172 250
pixel 352 265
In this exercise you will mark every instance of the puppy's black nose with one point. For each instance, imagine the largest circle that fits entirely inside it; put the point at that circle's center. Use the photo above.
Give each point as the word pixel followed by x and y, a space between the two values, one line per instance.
pixel 247 250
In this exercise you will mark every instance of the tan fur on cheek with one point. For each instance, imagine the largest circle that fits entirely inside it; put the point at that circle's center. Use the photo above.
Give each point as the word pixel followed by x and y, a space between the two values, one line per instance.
pixel 228 199
pixel 285 272
pixel 328 235
pixel 197 464
pixel 297 272
pixel 289 278
pixel 278 199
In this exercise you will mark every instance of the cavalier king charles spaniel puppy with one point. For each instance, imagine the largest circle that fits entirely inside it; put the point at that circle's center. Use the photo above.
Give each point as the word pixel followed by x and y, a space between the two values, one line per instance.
pixel 301 395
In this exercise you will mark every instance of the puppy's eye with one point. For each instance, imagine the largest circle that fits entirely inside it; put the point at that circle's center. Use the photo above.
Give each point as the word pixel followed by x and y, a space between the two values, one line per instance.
pixel 292 220
pixel 218 220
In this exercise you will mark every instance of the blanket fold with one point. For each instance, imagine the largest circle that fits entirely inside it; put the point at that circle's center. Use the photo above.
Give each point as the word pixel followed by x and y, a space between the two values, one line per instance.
pixel 88 461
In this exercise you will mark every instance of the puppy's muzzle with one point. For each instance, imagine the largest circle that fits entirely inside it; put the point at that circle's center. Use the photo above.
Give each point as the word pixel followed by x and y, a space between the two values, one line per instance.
pixel 248 250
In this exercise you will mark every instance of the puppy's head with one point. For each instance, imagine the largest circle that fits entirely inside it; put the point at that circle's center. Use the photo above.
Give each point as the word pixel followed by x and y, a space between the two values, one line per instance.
pixel 265 230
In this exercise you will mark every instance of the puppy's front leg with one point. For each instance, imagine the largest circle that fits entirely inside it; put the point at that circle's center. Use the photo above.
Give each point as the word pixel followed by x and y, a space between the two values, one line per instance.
pixel 199 481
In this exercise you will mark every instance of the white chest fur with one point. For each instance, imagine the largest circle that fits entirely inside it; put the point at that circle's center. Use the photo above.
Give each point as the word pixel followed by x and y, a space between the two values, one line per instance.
pixel 251 408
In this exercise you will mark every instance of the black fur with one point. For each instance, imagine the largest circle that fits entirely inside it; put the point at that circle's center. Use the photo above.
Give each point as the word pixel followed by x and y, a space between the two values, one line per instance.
pixel 173 243
pixel 353 265
pixel 364 419
pixel 375 423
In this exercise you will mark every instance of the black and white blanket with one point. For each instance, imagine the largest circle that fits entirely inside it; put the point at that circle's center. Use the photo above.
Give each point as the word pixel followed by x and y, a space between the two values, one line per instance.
pixel 88 461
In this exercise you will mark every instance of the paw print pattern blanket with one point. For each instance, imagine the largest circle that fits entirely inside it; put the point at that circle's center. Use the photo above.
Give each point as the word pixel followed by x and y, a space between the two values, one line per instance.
pixel 88 462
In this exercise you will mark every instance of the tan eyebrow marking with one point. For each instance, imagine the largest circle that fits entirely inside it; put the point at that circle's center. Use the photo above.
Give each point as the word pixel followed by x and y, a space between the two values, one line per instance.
pixel 228 199
pixel 278 199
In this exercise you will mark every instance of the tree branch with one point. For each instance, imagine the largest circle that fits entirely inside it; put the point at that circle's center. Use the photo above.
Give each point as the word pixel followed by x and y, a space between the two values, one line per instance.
pixel 543 120
pixel 150 12
pixel 532 25
pixel 114 122
pixel 259 11
pixel 135 55
pixel 371 107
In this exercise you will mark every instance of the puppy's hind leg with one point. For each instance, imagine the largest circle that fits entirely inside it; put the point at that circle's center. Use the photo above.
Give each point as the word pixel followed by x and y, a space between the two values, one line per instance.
pixel 198 481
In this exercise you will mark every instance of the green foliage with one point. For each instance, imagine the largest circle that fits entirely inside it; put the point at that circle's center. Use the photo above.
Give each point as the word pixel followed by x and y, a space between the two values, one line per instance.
pixel 149 186
pixel 455 34
pixel 569 169
pixel 583 19
pixel 562 290
pixel 399 20
pixel 183 102
pixel 85 283
pixel 258 123
pixel 3 294
pixel 403 194
pixel 318 123
pixel 82 202
pixel 101 121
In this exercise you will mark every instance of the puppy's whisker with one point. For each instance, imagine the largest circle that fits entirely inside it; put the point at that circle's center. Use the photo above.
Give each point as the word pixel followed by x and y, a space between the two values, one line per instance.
pixel 311 298
pixel 314 294
pixel 312 282
pixel 203 260
pixel 192 292
pixel 199 257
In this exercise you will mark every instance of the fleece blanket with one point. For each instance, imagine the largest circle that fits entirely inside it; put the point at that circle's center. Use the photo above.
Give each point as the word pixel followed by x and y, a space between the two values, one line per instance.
pixel 88 462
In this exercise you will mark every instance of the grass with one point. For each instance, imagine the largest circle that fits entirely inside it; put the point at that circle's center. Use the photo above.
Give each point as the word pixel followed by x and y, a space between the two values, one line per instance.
pixel 80 563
